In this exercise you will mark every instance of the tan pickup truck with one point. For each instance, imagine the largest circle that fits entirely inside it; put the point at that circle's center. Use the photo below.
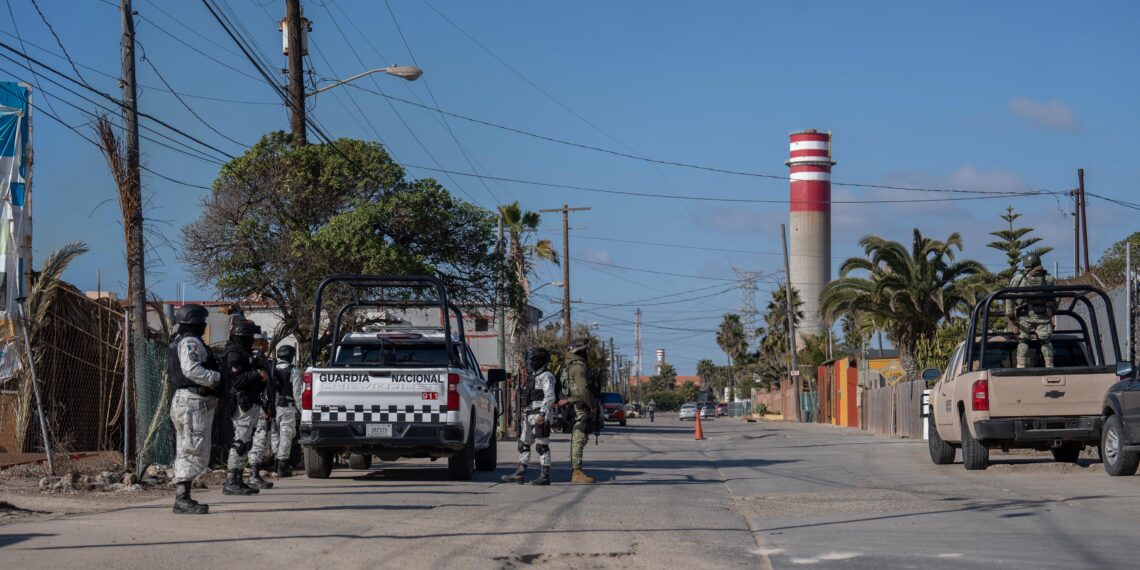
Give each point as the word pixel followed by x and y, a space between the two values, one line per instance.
pixel 982 402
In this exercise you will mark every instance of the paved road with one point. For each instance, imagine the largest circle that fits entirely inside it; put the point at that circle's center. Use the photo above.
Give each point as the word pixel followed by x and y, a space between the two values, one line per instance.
pixel 762 495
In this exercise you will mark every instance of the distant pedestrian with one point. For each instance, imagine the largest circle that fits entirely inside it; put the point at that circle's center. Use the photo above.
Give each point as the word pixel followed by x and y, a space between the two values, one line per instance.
pixel 193 371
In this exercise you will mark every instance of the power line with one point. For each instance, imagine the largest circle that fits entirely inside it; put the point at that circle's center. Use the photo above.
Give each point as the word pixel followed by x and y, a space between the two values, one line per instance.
pixel 36 5
pixel 719 199
pixel 654 271
pixel 184 103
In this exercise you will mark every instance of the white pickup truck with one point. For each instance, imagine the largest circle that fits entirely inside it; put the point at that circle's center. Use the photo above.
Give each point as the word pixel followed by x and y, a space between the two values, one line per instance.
pixel 394 390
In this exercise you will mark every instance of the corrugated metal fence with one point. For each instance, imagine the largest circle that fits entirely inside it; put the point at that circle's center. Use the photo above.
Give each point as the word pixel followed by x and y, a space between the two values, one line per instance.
pixel 894 410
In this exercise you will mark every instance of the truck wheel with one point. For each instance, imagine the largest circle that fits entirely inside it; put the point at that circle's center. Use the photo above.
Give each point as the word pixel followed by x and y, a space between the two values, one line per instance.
pixel 1068 453
pixel 318 463
pixel 941 453
pixel 488 459
pixel 1117 462
pixel 975 456
pixel 461 466
pixel 359 461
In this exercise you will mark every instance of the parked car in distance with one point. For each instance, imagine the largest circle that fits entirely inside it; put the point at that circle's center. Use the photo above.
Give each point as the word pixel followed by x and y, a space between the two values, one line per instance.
pixel 688 412
pixel 613 407
pixel 633 410
pixel 708 411
pixel 721 410
pixel 1120 435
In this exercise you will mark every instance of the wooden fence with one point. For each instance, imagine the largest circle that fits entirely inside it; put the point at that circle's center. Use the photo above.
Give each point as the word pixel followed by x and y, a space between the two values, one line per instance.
pixel 894 410
pixel 778 401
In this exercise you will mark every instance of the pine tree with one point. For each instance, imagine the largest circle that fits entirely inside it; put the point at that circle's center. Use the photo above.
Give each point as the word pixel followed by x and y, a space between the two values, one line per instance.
pixel 1014 243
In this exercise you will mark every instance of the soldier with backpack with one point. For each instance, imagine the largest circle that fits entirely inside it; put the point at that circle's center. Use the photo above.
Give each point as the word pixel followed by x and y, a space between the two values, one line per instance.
pixel 540 393
pixel 584 394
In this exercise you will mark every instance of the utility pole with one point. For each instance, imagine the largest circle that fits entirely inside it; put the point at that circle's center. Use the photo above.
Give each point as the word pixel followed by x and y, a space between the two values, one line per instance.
pixel 566 209
pixel 136 266
pixel 1084 216
pixel 1076 232
pixel 294 29
pixel 793 370
pixel 637 351
pixel 613 367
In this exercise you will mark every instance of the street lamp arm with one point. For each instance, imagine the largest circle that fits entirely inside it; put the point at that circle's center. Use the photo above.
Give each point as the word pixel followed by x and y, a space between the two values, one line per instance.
pixel 403 72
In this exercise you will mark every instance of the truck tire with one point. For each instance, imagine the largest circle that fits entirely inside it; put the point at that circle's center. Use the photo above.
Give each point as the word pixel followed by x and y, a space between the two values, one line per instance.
pixel 488 459
pixel 318 463
pixel 1067 453
pixel 359 461
pixel 975 456
pixel 1117 462
pixel 941 453
pixel 461 466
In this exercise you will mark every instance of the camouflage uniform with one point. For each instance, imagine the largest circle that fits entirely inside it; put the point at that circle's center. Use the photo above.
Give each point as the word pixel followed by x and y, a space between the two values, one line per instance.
pixel 1033 315
pixel 192 410
pixel 532 432
pixel 584 399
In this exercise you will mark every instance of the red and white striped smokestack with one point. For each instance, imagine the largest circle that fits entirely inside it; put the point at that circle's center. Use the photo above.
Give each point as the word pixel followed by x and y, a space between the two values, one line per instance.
pixel 810 228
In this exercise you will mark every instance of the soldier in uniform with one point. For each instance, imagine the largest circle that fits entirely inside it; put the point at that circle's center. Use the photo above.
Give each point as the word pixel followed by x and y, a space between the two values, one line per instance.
pixel 1033 315
pixel 540 393
pixel 584 398
pixel 246 383
pixel 287 386
pixel 193 371
pixel 265 425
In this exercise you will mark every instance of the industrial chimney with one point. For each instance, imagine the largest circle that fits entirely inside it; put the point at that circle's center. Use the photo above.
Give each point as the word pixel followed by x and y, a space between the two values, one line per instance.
pixel 810 229
pixel 660 359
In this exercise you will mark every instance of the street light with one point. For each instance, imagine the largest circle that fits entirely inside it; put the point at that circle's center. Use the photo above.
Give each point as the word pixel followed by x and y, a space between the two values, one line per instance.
pixel 410 73
pixel 555 283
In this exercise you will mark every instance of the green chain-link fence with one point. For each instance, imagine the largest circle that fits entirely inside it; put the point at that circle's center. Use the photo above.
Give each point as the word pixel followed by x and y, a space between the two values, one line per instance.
pixel 155 434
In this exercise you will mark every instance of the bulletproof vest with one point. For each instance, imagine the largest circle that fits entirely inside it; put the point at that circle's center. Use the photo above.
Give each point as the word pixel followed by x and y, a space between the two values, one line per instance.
pixel 174 373
pixel 571 387
pixel 1037 277
pixel 532 391
pixel 283 384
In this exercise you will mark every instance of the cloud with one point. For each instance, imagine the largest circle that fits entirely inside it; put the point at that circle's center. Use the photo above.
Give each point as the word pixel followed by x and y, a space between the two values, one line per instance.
pixel 598 257
pixel 1051 114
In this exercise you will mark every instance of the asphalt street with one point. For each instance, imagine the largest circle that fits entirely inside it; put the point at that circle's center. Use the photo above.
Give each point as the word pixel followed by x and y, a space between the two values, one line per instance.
pixel 760 495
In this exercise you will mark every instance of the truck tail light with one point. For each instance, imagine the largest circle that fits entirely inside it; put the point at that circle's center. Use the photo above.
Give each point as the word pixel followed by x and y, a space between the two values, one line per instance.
pixel 452 392
pixel 980 396
pixel 307 395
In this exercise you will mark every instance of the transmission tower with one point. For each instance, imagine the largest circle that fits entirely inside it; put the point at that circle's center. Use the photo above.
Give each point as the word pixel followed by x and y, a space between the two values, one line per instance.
pixel 748 311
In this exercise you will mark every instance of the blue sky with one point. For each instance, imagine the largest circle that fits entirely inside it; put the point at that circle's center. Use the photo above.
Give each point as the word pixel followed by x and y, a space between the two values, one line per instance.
pixel 976 95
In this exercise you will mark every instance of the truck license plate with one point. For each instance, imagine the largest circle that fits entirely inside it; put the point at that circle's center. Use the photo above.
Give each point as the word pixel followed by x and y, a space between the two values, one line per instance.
pixel 378 430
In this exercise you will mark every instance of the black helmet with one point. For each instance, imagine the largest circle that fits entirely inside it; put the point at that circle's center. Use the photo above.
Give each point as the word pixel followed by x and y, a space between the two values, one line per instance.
pixel 1031 260
pixel 537 358
pixel 243 328
pixel 580 344
pixel 286 352
pixel 192 314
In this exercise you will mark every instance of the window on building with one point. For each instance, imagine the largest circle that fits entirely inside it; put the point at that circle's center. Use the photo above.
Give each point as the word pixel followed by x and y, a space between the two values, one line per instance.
pixel 482 325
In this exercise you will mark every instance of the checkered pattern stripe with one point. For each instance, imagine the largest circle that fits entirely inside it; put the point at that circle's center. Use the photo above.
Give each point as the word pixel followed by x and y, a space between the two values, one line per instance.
pixel 359 413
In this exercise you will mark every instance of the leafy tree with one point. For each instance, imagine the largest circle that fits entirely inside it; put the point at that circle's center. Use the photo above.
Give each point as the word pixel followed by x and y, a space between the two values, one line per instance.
pixel 1110 267
pixel 1013 242
pixel 281 218
pixel 551 338
pixel 907 291
pixel 688 391
pixel 522 255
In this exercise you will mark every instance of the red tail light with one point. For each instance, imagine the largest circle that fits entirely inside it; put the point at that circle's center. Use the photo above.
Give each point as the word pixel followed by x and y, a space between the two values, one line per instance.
pixel 452 392
pixel 980 394
pixel 307 395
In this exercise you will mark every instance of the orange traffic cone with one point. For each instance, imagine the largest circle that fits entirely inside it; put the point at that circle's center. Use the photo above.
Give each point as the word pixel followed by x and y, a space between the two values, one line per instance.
pixel 698 433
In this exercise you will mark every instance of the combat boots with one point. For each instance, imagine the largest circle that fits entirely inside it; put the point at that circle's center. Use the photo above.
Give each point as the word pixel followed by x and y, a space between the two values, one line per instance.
pixel 1048 362
pixel 235 486
pixel 519 476
pixel 1021 362
pixel 283 469
pixel 543 476
pixel 580 478
pixel 183 504
pixel 255 480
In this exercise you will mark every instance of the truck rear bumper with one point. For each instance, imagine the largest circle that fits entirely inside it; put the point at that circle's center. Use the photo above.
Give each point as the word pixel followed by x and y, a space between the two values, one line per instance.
pixel 404 436
pixel 1039 429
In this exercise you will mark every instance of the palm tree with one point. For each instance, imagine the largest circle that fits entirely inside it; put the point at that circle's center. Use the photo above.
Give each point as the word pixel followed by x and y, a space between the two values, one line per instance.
pixel 906 292
pixel 706 370
pixel 731 339
pixel 521 256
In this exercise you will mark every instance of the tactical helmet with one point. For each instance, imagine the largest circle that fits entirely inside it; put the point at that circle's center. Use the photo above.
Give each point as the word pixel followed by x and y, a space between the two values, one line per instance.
pixel 243 328
pixel 286 352
pixel 1031 260
pixel 537 358
pixel 192 314
pixel 580 344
